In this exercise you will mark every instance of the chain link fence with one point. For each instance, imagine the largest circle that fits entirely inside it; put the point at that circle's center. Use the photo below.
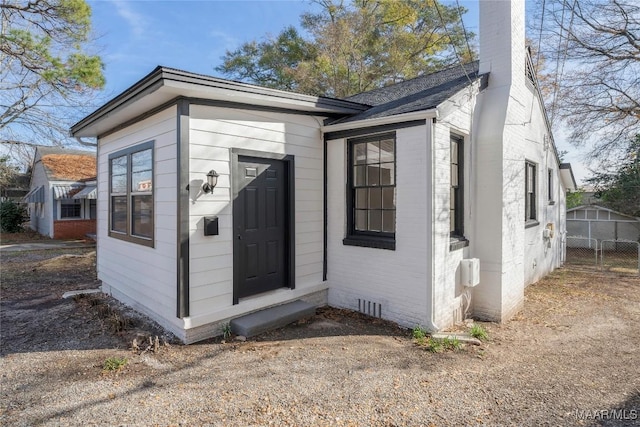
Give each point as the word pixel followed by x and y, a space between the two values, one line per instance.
pixel 620 256
pixel 581 252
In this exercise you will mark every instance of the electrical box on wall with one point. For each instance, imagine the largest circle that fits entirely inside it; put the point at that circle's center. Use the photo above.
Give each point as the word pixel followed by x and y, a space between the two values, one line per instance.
pixel 211 226
pixel 548 231
pixel 470 272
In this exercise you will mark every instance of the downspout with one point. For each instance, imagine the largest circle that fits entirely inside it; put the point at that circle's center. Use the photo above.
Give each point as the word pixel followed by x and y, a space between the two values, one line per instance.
pixel 431 293
pixel 325 211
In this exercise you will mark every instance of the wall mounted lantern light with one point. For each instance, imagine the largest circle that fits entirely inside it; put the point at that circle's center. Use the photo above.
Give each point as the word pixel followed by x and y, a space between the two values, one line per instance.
pixel 212 180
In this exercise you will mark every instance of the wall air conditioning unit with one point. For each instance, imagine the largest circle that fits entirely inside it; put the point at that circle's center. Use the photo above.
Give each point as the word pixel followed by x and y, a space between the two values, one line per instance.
pixel 470 272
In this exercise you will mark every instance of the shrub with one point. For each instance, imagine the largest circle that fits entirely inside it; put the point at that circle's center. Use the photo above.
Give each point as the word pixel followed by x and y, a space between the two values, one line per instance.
pixel 11 216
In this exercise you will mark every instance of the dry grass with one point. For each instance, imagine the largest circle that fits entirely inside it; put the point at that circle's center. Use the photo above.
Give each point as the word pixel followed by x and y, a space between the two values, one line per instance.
pixel 621 261
pixel 64 261
pixel 573 347
pixel 27 273
pixel 26 236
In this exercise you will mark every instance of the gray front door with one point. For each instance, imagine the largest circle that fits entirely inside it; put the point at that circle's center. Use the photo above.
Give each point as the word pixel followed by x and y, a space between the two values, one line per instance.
pixel 260 225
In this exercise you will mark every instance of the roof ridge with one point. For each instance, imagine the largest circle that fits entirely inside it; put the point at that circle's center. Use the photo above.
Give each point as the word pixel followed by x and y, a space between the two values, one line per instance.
pixel 46 150
pixel 475 65
pixel 420 93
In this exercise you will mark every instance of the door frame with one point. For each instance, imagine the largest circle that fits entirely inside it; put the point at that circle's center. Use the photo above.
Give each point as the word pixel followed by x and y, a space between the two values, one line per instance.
pixel 290 216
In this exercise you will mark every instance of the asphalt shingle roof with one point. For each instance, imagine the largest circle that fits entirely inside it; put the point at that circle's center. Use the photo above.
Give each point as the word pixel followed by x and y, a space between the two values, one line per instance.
pixel 421 93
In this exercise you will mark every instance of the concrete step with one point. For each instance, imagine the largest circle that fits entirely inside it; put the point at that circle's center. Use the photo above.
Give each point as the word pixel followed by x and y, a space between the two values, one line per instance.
pixel 271 318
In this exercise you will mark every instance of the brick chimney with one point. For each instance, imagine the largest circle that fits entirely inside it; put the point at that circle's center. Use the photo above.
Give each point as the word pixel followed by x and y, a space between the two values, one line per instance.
pixel 498 232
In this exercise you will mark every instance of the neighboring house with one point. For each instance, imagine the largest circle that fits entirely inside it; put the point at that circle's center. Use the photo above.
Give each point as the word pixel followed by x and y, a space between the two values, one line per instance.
pixel 588 196
pixel 16 188
pixel 370 203
pixel 597 222
pixel 62 196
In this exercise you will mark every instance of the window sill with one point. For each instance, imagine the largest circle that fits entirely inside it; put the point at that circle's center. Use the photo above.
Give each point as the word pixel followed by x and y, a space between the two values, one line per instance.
pixel 457 243
pixel 143 241
pixel 531 223
pixel 370 242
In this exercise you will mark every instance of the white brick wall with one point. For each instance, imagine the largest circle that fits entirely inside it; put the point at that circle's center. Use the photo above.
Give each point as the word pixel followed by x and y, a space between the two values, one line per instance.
pixel 455 117
pixel 541 256
pixel 511 129
pixel 499 133
pixel 400 279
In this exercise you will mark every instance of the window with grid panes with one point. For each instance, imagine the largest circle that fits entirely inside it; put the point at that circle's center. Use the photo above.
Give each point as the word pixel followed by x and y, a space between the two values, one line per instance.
pixel 530 192
pixel 372 191
pixel 131 194
pixel 456 202
pixel 70 208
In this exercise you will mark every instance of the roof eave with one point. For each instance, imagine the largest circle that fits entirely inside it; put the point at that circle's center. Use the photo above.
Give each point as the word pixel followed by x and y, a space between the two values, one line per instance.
pixel 568 179
pixel 177 82
pixel 147 84
pixel 386 120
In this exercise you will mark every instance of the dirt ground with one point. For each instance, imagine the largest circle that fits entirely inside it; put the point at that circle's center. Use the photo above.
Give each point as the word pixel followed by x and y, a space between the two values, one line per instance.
pixel 22 237
pixel 570 357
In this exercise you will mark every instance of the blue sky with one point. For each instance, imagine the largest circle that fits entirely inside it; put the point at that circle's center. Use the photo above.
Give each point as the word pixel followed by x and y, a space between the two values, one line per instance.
pixel 133 37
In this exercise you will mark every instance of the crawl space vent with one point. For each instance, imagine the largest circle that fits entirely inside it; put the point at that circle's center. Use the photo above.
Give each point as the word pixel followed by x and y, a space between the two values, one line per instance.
pixel 369 308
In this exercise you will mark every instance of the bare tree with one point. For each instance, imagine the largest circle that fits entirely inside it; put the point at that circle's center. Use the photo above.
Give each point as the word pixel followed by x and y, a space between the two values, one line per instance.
pixel 46 78
pixel 593 61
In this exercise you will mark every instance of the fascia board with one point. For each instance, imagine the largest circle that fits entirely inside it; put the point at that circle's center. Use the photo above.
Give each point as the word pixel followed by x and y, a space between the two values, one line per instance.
pixel 162 85
pixel 399 118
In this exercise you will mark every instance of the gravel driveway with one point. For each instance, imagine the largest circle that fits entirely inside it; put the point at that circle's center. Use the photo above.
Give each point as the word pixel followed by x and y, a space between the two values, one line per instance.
pixel 570 355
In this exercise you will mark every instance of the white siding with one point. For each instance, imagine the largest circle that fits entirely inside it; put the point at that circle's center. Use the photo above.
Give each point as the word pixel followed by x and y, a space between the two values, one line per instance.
pixel 141 276
pixel 213 133
pixel 397 279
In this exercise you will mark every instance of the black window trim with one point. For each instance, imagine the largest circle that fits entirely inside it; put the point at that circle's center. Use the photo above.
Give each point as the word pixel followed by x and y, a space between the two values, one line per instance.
pixel 128 237
pixel 370 239
pixel 550 187
pixel 457 239
pixel 532 218
pixel 458 232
